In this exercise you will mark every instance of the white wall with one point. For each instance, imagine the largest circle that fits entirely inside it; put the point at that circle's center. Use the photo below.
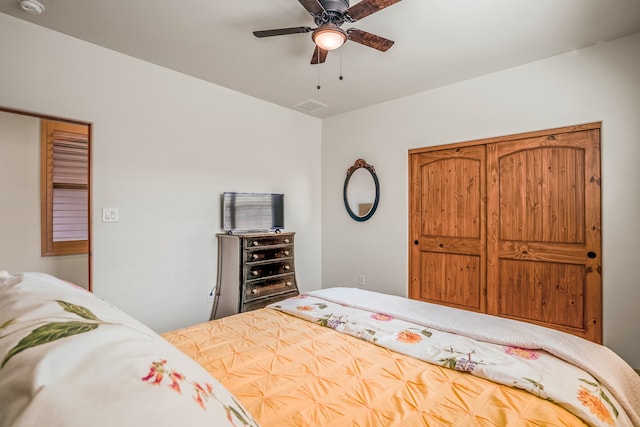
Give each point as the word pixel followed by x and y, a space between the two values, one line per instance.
pixel 20 204
pixel 165 146
pixel 600 83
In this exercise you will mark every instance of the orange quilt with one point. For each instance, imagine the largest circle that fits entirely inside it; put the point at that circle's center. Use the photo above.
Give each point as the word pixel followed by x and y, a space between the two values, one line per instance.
pixel 290 372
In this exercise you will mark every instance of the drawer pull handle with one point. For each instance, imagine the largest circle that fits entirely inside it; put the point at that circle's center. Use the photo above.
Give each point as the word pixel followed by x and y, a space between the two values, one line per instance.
pixel 288 283
pixel 286 253
pixel 254 256
pixel 254 272
pixel 254 291
pixel 255 243
pixel 286 240
pixel 286 267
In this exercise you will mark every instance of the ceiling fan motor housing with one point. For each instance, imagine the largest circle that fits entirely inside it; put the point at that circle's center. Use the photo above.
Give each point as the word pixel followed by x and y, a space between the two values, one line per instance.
pixel 334 12
pixel 337 5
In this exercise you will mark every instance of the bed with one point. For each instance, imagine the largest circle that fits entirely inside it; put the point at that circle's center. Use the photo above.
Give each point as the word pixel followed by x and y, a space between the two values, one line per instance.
pixel 68 358
pixel 334 357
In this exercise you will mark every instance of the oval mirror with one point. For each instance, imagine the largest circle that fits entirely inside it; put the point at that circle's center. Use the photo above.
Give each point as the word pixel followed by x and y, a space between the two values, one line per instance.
pixel 361 191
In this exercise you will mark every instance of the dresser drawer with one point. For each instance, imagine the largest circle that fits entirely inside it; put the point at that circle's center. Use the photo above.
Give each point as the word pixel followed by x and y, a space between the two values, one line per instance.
pixel 263 302
pixel 272 240
pixel 262 270
pixel 265 287
pixel 253 255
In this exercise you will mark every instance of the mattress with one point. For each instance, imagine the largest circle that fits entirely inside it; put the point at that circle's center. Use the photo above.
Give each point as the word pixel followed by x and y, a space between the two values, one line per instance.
pixel 290 371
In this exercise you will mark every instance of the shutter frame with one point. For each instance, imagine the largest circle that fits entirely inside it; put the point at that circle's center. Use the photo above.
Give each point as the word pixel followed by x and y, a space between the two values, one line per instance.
pixel 64 188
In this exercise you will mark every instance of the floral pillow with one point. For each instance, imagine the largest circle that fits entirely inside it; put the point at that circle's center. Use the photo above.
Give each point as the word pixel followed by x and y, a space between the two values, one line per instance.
pixel 70 359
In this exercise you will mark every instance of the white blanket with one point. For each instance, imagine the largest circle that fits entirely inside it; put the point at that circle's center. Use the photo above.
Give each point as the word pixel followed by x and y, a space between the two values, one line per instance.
pixel 602 363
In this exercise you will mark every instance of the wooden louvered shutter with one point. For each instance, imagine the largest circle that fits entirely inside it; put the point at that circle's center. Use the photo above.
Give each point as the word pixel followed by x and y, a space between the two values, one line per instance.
pixel 65 188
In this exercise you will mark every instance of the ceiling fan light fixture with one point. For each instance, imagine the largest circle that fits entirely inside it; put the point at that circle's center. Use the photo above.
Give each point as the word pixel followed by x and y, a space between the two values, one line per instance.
pixel 329 36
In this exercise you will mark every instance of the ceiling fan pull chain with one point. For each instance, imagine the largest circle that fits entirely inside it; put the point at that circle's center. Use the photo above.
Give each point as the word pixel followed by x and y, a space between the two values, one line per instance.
pixel 340 65
pixel 318 65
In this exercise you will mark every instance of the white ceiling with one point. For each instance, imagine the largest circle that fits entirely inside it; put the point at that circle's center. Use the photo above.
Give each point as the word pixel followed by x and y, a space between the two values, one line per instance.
pixel 437 42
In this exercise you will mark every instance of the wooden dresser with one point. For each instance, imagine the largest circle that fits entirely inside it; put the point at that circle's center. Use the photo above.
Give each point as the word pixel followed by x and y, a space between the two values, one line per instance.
pixel 254 270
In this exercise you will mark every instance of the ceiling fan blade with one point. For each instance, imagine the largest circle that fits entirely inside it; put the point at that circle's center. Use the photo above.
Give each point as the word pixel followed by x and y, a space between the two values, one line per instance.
pixel 369 39
pixel 282 31
pixel 367 7
pixel 313 6
pixel 319 56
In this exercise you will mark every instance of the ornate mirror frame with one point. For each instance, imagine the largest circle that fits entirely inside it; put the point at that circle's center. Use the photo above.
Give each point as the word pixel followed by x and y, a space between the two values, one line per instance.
pixel 361 164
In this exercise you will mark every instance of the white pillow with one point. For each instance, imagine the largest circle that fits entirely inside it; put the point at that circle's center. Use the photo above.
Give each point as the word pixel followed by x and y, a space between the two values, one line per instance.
pixel 70 359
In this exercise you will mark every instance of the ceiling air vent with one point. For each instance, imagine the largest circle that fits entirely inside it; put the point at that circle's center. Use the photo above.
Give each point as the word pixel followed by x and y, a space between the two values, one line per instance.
pixel 310 106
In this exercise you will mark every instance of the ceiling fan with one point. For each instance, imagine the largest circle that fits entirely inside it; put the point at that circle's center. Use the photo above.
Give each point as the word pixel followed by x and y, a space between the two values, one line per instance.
pixel 329 15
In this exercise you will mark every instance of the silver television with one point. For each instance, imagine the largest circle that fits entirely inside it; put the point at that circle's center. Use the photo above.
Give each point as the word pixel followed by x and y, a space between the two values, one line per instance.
pixel 252 212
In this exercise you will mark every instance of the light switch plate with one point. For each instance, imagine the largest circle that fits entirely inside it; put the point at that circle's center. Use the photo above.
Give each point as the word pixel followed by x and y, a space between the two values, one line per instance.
pixel 109 214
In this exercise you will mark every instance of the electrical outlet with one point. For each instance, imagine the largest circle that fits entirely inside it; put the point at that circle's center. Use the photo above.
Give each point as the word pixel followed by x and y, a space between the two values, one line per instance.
pixel 361 281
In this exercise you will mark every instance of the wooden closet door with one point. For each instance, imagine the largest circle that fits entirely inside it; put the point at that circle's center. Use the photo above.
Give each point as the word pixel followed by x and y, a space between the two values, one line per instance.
pixel 447 227
pixel 544 244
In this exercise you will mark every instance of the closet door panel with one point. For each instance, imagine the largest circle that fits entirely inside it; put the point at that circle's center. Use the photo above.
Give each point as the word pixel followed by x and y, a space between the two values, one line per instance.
pixel 544 244
pixel 451 279
pixel 548 292
pixel 542 193
pixel 448 227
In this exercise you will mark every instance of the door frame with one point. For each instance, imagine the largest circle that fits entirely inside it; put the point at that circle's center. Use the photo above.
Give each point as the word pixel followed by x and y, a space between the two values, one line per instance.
pixel 42 116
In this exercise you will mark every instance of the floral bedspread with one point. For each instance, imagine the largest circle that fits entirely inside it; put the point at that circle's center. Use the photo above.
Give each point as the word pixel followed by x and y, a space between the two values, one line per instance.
pixel 535 371
pixel 68 358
